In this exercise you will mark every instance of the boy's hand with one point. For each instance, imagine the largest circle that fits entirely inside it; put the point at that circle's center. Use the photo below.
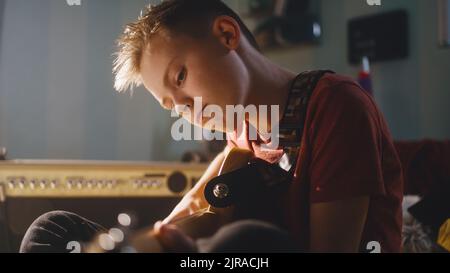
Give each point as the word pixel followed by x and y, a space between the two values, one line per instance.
pixel 188 205
pixel 173 240
pixel 195 200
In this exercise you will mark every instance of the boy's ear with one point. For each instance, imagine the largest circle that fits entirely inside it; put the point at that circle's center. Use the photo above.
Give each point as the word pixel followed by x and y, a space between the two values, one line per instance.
pixel 227 30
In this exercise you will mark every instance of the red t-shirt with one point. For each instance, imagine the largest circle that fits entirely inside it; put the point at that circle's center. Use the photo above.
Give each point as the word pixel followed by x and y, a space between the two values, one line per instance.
pixel 347 152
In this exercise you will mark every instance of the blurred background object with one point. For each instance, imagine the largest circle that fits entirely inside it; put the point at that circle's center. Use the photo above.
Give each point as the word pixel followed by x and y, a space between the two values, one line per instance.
pixel 3 153
pixel 364 78
pixel 286 22
pixel 381 37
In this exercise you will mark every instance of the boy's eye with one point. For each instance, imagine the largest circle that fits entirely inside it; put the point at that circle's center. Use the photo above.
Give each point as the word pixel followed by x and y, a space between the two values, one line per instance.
pixel 181 76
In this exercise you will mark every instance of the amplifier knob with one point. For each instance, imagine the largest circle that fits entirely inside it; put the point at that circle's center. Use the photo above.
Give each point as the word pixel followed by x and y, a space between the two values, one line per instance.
pixel 110 183
pixel 158 184
pixel 101 184
pixel 21 184
pixel 146 184
pixel 91 183
pixel 43 184
pixel 151 184
pixel 177 182
pixel 11 184
pixel 137 183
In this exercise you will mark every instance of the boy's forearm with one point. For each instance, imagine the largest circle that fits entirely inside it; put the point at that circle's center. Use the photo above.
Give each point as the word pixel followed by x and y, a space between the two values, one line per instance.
pixel 211 172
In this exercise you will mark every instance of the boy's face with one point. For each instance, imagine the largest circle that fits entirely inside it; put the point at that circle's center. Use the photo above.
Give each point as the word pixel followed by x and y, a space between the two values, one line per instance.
pixel 175 70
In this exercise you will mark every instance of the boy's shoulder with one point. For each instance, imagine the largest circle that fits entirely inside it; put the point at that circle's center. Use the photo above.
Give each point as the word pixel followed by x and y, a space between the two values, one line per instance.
pixel 337 81
pixel 340 89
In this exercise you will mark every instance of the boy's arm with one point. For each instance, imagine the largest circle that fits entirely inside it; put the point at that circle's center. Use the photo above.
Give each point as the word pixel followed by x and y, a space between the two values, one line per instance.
pixel 337 226
pixel 194 200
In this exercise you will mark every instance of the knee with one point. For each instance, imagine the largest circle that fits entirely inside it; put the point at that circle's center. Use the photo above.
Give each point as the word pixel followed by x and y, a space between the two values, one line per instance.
pixel 44 228
pixel 54 220
pixel 55 216
pixel 255 230
pixel 251 236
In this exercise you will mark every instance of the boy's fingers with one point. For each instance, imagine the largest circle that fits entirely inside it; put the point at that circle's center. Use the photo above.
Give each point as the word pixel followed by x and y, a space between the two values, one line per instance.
pixel 157 227
pixel 175 215
pixel 174 240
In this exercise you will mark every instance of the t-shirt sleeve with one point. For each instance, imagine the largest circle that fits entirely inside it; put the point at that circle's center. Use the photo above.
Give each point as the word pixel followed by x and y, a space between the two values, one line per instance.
pixel 345 145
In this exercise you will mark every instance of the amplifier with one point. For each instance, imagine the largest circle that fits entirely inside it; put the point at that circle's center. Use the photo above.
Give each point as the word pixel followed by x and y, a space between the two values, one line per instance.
pixel 97 190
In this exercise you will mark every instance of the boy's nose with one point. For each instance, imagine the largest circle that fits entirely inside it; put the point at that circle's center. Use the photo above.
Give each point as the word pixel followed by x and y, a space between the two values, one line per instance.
pixel 183 100
pixel 182 109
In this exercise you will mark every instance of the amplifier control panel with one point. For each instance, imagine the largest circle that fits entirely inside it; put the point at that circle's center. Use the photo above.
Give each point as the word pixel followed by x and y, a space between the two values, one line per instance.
pixel 46 178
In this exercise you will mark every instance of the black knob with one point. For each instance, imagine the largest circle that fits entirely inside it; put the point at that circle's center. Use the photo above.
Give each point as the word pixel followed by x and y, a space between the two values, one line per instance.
pixel 177 182
pixel 219 192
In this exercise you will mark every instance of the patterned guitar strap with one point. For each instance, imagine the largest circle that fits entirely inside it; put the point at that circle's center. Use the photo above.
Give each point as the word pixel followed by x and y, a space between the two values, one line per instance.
pixel 293 121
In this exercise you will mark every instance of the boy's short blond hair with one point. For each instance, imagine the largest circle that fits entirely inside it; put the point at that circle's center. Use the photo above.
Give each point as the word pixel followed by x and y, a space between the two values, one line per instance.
pixel 193 17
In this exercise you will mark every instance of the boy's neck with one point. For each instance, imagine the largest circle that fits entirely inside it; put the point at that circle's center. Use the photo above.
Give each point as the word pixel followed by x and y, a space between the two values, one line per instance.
pixel 269 85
